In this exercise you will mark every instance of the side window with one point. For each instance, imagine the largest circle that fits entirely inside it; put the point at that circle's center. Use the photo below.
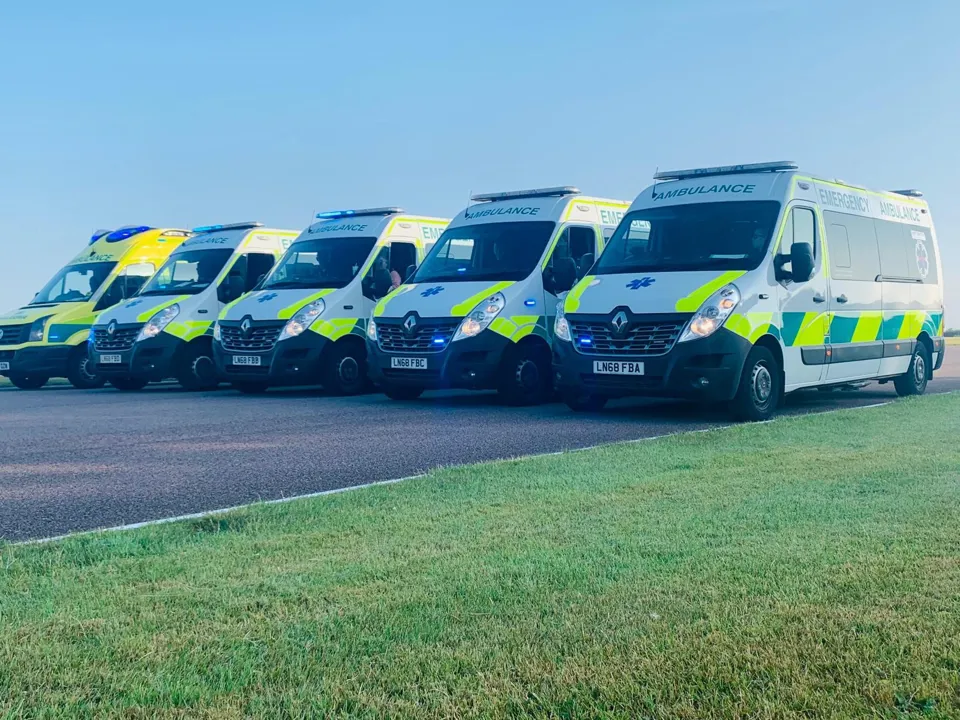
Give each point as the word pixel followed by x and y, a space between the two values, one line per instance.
pixel 838 240
pixel 377 282
pixel 786 240
pixel 800 226
pixel 852 240
pixel 258 265
pixel 402 256
pixel 892 239
pixel 127 284
pixel 577 243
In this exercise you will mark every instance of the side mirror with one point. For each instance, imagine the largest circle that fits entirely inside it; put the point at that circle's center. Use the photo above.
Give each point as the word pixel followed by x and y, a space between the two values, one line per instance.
pixel 411 269
pixel 801 262
pixel 564 275
pixel 586 262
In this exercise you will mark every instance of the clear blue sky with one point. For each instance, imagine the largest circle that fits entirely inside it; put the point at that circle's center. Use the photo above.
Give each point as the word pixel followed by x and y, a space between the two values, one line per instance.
pixel 185 113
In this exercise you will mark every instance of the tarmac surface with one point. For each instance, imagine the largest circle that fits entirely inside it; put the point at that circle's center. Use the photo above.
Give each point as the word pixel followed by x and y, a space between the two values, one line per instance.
pixel 75 460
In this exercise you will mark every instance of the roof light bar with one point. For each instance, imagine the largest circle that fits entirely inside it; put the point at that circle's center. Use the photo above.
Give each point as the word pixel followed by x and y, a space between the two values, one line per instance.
pixel 334 214
pixel 232 226
pixel 97 234
pixel 727 170
pixel 539 192
pixel 127 231
pixel 913 193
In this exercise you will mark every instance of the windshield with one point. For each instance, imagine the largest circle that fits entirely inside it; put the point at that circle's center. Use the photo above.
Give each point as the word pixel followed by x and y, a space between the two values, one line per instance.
pixel 701 236
pixel 74 283
pixel 321 263
pixel 490 251
pixel 188 273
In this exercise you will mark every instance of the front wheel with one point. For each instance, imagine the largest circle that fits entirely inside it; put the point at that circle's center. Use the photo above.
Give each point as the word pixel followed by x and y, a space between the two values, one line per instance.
pixel 197 369
pixel 402 392
pixel 761 387
pixel 81 372
pixel 914 380
pixel 345 369
pixel 584 402
pixel 128 384
pixel 28 382
pixel 525 376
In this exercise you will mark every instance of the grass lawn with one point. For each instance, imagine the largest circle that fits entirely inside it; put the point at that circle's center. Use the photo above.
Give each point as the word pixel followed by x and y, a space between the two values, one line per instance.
pixel 953 340
pixel 808 567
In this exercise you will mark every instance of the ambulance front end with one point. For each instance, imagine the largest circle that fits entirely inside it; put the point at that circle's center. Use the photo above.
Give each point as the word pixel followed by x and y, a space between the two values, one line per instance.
pixel 681 293
pixel 166 331
pixel 48 337
pixel 477 313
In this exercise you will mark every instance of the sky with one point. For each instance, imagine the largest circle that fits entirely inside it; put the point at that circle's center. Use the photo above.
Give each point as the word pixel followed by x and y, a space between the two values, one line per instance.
pixel 185 113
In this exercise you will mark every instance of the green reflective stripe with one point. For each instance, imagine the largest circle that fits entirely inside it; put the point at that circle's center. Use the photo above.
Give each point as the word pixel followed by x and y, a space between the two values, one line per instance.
pixel 291 310
pixel 693 301
pixel 78 337
pixel 868 327
pixel 912 326
pixel 751 326
pixel 517 327
pixel 804 328
pixel 502 326
pixel 336 328
pixel 144 316
pixel 382 305
pixel 572 302
pixel 188 330
pixel 471 302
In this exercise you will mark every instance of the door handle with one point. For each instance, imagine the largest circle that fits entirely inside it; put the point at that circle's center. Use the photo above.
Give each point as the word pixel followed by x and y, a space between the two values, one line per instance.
pixel 842 299
pixel 818 298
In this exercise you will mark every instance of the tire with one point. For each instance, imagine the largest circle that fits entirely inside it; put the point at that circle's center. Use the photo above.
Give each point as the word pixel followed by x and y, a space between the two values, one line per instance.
pixel 250 388
pixel 28 382
pixel 80 372
pixel 914 380
pixel 127 384
pixel 583 402
pixel 525 377
pixel 402 392
pixel 345 369
pixel 761 387
pixel 197 370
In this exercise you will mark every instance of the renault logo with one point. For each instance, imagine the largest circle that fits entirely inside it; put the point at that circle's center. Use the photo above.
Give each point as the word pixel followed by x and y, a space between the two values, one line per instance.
pixel 410 324
pixel 112 328
pixel 245 326
pixel 619 321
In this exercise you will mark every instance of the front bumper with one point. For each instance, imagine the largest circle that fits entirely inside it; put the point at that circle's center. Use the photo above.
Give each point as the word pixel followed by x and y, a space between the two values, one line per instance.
pixel 38 360
pixel 152 359
pixel 707 369
pixel 470 363
pixel 294 361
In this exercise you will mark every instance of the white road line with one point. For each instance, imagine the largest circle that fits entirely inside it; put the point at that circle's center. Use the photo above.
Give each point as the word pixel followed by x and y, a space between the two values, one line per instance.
pixel 336 491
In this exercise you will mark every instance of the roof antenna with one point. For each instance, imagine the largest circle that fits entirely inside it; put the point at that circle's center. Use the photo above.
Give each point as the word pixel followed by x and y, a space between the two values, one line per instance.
pixel 655 173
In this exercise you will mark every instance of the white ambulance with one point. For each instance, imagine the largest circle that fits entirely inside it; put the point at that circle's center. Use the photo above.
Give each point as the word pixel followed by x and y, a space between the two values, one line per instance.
pixel 478 313
pixel 166 330
pixel 740 284
pixel 305 325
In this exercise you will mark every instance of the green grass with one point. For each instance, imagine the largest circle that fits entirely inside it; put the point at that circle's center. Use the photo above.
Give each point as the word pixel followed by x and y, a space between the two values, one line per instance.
pixel 953 340
pixel 804 568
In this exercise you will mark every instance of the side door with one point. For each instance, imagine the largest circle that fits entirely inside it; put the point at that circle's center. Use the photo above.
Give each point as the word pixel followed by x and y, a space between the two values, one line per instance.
pixel 855 297
pixel 573 254
pixel 804 307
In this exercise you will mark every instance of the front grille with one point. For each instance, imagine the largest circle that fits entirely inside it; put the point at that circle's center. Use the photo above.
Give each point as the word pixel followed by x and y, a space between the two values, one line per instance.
pixel 123 338
pixel 641 337
pixel 261 336
pixel 14 334
pixel 392 337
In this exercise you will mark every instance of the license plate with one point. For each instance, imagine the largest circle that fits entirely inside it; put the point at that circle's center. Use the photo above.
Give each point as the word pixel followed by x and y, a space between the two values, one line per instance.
pixel 110 359
pixel 408 363
pixel 617 367
pixel 4 366
pixel 248 360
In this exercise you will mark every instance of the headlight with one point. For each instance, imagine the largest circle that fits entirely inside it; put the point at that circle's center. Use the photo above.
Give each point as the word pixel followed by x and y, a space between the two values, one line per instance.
pixel 712 314
pixel 372 329
pixel 36 330
pixel 158 322
pixel 303 319
pixel 216 331
pixel 561 328
pixel 483 314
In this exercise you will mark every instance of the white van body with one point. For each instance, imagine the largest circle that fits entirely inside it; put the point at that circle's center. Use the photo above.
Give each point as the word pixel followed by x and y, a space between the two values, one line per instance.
pixel 700 274
pixel 307 321
pixel 478 314
pixel 166 330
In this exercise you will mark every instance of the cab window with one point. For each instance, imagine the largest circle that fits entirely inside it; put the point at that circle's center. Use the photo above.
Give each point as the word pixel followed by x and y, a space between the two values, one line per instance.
pixel 576 244
pixel 403 255
pixel 127 284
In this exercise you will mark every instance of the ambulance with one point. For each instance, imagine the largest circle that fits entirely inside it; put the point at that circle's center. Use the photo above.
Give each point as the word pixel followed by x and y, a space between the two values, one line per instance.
pixel 166 331
pixel 48 337
pixel 305 324
pixel 740 284
pixel 478 313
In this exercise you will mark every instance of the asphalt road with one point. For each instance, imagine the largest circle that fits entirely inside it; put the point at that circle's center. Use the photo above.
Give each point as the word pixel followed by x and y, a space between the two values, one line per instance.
pixel 73 460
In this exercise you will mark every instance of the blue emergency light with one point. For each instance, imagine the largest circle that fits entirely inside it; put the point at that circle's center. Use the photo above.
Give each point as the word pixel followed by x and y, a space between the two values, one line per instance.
pixel 233 226
pixel 97 235
pixel 334 214
pixel 778 166
pixel 127 232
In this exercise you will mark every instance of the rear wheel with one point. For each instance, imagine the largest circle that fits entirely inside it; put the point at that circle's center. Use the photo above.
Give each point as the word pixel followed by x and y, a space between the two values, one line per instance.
pixel 28 382
pixel 128 384
pixel 250 388
pixel 402 392
pixel 761 387
pixel 584 402
pixel 81 372
pixel 525 375
pixel 345 369
pixel 914 380
pixel 197 370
